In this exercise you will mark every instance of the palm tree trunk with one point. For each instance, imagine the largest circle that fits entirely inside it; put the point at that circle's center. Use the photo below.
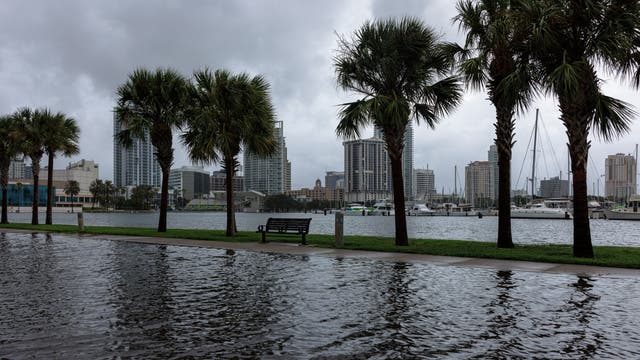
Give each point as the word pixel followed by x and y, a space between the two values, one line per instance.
pixel 164 200
pixel 35 168
pixel 5 206
pixel 582 246
pixel 231 216
pixel 504 142
pixel 49 218
pixel 576 121
pixel 504 201
pixel 4 180
pixel 398 199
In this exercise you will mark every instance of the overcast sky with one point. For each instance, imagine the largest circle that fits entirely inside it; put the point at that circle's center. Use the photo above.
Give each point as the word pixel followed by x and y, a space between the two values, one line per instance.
pixel 70 56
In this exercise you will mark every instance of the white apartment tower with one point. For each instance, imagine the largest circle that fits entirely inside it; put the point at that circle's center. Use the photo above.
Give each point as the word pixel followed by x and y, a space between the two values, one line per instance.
pixel 407 161
pixel 269 175
pixel 137 164
pixel 620 176
pixel 479 183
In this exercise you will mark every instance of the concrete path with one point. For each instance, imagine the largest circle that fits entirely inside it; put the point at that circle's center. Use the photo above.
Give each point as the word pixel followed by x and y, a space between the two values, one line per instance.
pixel 294 249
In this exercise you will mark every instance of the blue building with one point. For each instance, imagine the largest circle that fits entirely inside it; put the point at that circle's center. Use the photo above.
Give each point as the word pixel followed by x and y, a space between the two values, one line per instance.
pixel 23 195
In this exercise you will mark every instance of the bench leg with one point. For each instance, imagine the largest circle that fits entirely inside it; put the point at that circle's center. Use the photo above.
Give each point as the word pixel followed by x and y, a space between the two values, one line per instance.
pixel 264 237
pixel 304 239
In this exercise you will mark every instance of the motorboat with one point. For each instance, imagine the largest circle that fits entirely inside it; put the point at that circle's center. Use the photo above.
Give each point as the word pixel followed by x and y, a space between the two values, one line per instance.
pixel 541 210
pixel 631 210
pixel 420 210
pixel 382 208
pixel 355 209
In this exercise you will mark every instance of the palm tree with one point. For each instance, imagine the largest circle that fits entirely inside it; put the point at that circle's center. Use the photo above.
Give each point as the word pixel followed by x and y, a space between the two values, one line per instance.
pixel 493 57
pixel 19 187
pixel 95 190
pixel 72 188
pixel 569 41
pixel 401 69
pixel 153 104
pixel 9 148
pixel 229 112
pixel 107 192
pixel 61 136
pixel 31 127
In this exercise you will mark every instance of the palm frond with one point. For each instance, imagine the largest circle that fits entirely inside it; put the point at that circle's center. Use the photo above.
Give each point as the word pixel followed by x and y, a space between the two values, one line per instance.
pixel 612 117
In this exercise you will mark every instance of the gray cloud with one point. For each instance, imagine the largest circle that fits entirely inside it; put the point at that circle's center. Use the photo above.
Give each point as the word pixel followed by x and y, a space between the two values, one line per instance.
pixel 72 55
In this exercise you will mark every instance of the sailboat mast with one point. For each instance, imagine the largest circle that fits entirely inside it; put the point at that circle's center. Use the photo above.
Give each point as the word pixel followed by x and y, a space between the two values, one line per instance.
pixel 636 174
pixel 533 165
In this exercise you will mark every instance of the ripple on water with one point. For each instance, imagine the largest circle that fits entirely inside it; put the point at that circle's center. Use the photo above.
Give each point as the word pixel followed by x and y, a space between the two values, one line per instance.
pixel 76 297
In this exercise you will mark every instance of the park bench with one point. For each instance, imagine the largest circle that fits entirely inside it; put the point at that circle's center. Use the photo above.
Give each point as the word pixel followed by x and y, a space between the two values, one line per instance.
pixel 285 226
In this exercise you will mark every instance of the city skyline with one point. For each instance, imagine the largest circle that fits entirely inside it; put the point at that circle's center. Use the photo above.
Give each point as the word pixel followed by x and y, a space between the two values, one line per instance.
pixel 71 56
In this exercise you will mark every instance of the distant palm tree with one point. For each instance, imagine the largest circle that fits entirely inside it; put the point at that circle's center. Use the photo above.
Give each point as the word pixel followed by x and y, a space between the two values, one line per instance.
pixel 61 136
pixel 229 112
pixel 402 71
pixel 570 40
pixel 72 188
pixel 31 127
pixel 95 189
pixel 153 103
pixel 493 57
pixel 19 187
pixel 9 148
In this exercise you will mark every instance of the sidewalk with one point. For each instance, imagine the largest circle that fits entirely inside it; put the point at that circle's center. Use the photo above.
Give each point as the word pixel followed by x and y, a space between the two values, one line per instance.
pixel 294 249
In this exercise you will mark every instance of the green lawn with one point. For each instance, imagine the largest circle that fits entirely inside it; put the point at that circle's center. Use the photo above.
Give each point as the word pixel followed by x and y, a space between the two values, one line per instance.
pixel 616 256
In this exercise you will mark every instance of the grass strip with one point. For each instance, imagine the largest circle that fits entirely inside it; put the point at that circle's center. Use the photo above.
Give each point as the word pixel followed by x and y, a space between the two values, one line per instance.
pixel 614 256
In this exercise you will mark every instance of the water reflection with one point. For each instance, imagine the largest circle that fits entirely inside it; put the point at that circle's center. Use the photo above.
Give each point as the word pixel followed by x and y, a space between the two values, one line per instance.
pixel 143 302
pixel 581 307
pixel 69 297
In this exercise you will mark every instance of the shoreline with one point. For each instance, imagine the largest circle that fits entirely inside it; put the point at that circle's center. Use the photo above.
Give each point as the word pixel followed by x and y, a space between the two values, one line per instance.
pixel 451 256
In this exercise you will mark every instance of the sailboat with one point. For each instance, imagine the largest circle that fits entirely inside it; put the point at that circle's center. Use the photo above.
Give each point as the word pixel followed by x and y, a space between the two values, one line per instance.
pixel 546 209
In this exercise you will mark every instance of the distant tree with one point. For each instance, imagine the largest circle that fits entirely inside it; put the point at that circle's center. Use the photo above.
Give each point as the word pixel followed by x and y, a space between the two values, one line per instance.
pixel 31 128
pixel 72 188
pixel 108 193
pixel 95 188
pixel 60 136
pixel 142 196
pixel 153 103
pixel 281 203
pixel 229 113
pixel 401 69
pixel 9 148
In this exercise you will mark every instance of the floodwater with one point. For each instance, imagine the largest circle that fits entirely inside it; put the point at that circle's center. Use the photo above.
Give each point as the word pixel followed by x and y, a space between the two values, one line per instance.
pixel 71 297
pixel 603 232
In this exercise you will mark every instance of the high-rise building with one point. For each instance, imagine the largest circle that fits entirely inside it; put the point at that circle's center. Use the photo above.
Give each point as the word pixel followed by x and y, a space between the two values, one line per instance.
pixel 407 161
pixel 620 176
pixel 190 181
pixel 492 157
pixel 137 164
pixel 554 188
pixel 267 175
pixel 424 182
pixel 365 170
pixel 219 181
pixel 84 172
pixel 479 183
pixel 334 179
pixel 287 177
pixel 16 169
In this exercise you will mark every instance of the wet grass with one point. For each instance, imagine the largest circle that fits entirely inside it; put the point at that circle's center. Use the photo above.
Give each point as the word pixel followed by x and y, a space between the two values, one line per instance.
pixel 615 256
